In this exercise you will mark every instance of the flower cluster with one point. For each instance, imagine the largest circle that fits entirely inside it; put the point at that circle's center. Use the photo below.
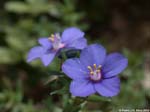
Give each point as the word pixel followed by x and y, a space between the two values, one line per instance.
pixel 93 72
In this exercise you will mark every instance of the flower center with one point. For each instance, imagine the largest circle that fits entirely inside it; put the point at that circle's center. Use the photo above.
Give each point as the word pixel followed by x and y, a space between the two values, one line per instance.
pixel 56 41
pixel 95 72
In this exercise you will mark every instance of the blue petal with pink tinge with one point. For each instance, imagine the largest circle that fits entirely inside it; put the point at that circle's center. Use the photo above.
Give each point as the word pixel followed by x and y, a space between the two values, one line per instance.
pixel 101 70
pixel 71 38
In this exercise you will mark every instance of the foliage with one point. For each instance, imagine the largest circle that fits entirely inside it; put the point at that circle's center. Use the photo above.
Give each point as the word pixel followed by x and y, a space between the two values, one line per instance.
pixel 28 88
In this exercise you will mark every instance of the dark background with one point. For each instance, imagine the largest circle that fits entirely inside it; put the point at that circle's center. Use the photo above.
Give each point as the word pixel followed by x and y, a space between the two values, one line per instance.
pixel 119 25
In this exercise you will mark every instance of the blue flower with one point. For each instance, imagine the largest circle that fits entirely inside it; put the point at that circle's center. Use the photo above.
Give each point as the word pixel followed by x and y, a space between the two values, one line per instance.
pixel 50 46
pixel 95 72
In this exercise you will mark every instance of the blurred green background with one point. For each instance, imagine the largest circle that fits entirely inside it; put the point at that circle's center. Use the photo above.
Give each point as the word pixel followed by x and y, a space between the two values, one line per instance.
pixel 119 25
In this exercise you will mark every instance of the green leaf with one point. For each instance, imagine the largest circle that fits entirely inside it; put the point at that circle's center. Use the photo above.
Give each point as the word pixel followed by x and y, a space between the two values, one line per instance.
pixel 60 91
pixel 7 56
pixel 18 7
pixel 97 98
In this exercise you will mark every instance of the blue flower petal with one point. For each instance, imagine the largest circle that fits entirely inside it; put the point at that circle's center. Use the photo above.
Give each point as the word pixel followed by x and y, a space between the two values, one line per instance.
pixel 35 52
pixel 45 42
pixel 82 88
pixel 73 69
pixel 47 58
pixel 78 44
pixel 93 54
pixel 71 34
pixel 114 64
pixel 108 87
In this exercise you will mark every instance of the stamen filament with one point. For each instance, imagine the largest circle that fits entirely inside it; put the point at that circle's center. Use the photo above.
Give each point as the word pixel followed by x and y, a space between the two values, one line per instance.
pixel 90 68
pixel 51 38
pixel 97 71
pixel 99 67
pixel 91 73
pixel 94 66
pixel 52 35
